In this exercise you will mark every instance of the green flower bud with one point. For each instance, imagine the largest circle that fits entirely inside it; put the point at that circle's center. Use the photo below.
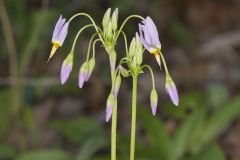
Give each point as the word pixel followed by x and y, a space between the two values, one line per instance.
pixel 115 19
pixel 91 65
pixel 109 31
pixel 106 17
pixel 154 101
pixel 132 48
pixel 134 62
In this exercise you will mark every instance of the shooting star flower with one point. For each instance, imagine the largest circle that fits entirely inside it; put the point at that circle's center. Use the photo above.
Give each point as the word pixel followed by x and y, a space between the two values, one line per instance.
pixel 59 35
pixel 149 38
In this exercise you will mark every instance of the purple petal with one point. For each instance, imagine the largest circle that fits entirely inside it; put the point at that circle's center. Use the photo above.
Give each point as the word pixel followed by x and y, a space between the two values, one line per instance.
pixel 172 92
pixel 153 33
pixel 63 33
pixel 145 44
pixel 57 28
pixel 146 34
pixel 65 71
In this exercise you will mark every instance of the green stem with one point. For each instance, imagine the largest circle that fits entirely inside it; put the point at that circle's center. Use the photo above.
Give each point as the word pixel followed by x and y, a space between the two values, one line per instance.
pixel 94 45
pixel 91 19
pixel 134 115
pixel 114 132
pixel 125 41
pixel 78 34
pixel 150 69
pixel 114 126
pixel 164 63
pixel 125 21
pixel 90 45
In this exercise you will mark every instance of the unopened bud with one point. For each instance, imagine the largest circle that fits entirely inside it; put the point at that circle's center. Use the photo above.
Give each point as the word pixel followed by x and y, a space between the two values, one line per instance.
pixel 115 19
pixel 132 48
pixel 66 68
pixel 154 101
pixel 91 66
pixel 172 90
pixel 83 74
pixel 110 106
pixel 106 17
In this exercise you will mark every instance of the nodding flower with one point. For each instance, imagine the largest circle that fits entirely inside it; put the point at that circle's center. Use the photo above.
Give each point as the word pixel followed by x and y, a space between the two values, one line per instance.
pixel 149 37
pixel 59 35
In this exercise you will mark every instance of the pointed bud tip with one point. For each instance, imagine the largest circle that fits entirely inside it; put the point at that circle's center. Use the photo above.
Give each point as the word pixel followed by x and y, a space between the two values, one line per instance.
pixel 154 110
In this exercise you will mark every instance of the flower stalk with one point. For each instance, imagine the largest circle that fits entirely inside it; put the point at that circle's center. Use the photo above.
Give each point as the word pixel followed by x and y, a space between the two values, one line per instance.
pixel 134 117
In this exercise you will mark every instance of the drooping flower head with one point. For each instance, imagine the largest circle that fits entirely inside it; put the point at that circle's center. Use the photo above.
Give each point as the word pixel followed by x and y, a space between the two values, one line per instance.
pixel 59 35
pixel 149 37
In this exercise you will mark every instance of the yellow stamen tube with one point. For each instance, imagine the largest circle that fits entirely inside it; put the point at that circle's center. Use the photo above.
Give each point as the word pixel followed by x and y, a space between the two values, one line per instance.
pixel 158 59
pixel 53 51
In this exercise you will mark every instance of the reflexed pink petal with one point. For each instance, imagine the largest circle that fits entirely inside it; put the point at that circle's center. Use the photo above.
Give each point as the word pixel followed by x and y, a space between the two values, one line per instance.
pixel 57 28
pixel 63 33
pixel 152 30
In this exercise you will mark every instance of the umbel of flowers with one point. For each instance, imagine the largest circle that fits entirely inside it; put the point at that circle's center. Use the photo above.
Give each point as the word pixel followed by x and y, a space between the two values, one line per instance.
pixel 108 33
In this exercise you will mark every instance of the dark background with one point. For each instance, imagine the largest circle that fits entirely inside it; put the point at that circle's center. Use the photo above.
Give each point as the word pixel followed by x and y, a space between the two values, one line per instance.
pixel 41 119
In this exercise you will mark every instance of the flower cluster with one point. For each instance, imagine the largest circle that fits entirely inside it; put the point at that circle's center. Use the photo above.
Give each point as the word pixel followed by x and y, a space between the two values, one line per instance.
pixel 147 38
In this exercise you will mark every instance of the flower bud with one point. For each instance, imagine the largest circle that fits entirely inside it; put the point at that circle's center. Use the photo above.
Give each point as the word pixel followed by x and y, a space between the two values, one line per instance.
pixel 109 30
pixel 154 101
pixel 123 71
pixel 172 90
pixel 110 106
pixel 117 85
pixel 112 58
pixel 83 74
pixel 66 68
pixel 134 62
pixel 132 48
pixel 91 66
pixel 106 17
pixel 115 19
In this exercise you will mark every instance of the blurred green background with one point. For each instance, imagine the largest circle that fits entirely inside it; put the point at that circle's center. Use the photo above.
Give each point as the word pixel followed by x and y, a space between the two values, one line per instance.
pixel 41 119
